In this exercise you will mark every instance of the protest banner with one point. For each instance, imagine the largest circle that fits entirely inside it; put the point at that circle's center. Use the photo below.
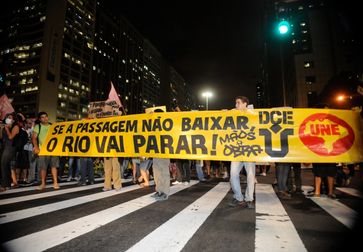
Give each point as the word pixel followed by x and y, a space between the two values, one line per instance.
pixel 260 135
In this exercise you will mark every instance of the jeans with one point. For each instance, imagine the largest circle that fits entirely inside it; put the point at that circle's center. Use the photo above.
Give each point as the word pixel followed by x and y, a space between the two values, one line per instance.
pixel 236 168
pixel 70 167
pixel 282 173
pixel 183 170
pixel 200 174
pixel 86 170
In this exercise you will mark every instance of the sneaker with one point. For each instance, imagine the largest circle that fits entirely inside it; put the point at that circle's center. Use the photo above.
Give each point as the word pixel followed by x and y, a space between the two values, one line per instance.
pixel 156 195
pixel 235 203
pixel 186 183
pixel 250 205
pixel 225 175
pixel 161 197
pixel 176 182
pixel 69 179
pixel 263 174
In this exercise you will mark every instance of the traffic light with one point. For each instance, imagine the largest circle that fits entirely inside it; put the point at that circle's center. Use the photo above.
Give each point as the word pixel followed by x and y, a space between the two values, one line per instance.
pixel 283 27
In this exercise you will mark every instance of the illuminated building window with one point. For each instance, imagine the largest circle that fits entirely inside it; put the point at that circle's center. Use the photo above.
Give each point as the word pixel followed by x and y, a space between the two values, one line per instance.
pixel 308 64
pixel 94 68
pixel 21 55
pixel 127 81
pixel 67 56
pixel 310 80
pixel 37 45
pixel 302 24
pixel 90 45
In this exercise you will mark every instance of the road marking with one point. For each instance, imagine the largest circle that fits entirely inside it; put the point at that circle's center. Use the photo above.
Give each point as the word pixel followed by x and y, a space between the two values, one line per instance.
pixel 351 191
pixel 50 194
pixel 32 188
pixel 43 209
pixel 72 229
pixel 274 229
pixel 339 211
pixel 168 238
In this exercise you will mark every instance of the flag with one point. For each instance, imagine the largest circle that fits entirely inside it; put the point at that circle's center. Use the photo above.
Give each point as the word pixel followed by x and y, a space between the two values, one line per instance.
pixel 113 96
pixel 5 106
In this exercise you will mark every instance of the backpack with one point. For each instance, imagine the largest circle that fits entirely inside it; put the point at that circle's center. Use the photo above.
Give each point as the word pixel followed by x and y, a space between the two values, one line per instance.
pixel 39 125
pixel 20 140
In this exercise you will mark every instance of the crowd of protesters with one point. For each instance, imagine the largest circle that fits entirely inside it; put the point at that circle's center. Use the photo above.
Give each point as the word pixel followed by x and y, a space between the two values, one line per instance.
pixel 22 139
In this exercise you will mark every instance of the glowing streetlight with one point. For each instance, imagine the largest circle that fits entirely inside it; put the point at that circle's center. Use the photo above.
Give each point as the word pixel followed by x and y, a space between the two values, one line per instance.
pixel 207 95
pixel 340 98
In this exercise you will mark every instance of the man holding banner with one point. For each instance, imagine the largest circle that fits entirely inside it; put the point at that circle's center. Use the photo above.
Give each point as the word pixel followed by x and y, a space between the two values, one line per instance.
pixel 236 167
pixel 38 139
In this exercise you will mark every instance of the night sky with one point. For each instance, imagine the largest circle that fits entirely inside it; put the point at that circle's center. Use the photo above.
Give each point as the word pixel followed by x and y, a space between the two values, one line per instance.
pixel 214 45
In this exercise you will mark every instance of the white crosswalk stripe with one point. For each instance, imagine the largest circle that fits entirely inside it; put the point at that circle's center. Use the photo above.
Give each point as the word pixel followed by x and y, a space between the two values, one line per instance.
pixel 75 228
pixel 166 238
pixel 34 211
pixel 274 229
pixel 32 188
pixel 339 211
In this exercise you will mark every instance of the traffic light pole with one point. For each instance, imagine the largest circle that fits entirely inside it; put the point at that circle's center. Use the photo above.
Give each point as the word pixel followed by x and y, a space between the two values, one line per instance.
pixel 283 74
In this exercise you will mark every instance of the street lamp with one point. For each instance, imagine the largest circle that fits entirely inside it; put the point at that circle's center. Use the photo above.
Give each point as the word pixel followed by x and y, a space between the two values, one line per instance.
pixel 283 30
pixel 207 95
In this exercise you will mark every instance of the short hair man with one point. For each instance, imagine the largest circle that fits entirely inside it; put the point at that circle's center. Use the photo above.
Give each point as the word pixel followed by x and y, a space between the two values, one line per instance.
pixel 39 134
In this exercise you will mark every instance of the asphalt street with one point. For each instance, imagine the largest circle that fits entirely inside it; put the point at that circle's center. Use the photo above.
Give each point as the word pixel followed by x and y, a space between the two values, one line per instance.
pixel 196 217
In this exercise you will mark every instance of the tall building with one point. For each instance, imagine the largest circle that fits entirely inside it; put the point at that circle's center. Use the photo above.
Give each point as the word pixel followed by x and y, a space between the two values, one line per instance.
pixel 46 53
pixel 152 70
pixel 118 57
pixel 58 55
pixel 317 48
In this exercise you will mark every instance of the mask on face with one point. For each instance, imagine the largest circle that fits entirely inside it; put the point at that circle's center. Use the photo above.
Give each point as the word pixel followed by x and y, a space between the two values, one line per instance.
pixel 8 121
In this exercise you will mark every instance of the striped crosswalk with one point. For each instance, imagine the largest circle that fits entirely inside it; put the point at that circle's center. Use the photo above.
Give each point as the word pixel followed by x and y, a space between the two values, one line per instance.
pixel 75 217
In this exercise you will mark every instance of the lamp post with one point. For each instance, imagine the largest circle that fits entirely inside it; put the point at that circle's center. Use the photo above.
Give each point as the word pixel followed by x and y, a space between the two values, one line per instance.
pixel 207 95
pixel 283 30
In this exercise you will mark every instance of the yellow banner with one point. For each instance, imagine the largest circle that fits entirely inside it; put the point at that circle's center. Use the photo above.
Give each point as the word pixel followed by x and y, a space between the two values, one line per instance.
pixel 268 135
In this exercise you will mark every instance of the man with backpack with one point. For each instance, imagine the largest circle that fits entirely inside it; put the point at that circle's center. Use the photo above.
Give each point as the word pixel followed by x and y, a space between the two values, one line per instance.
pixel 39 134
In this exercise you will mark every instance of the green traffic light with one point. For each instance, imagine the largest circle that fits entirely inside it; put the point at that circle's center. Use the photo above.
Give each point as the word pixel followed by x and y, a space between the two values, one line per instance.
pixel 284 27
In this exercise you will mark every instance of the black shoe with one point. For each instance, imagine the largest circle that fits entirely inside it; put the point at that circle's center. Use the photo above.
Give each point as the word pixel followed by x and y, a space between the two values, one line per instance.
pixel 283 195
pixel 235 203
pixel 155 195
pixel 299 191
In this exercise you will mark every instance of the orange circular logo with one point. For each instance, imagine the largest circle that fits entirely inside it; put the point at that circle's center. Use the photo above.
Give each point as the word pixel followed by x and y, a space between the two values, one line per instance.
pixel 326 135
